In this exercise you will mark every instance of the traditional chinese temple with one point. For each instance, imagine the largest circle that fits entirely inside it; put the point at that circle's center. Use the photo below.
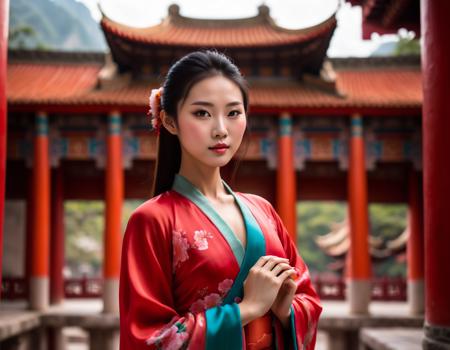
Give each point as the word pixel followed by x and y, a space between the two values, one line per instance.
pixel 429 20
pixel 346 129
pixel 336 244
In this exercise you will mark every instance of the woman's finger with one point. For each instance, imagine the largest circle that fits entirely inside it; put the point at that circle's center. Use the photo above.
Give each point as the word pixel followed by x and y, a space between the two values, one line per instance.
pixel 289 283
pixel 287 273
pixel 262 260
pixel 274 260
pixel 280 267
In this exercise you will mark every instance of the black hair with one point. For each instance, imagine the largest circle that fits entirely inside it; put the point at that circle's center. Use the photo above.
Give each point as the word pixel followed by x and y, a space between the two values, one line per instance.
pixel 181 77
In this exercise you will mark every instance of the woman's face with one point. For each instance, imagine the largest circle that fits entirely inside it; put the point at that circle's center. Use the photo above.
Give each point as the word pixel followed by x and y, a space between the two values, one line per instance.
pixel 211 115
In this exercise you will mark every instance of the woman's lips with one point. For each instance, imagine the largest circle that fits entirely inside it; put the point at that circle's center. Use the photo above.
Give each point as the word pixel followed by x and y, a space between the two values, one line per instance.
pixel 219 149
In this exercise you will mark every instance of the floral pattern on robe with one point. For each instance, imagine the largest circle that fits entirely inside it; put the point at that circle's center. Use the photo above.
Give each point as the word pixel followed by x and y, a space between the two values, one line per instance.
pixel 177 269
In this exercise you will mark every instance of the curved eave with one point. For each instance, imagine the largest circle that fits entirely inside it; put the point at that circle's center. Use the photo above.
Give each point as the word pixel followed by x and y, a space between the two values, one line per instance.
pixel 258 35
pixel 377 91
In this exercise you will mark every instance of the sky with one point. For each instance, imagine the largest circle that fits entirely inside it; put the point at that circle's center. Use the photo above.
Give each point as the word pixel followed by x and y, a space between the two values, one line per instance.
pixel 292 14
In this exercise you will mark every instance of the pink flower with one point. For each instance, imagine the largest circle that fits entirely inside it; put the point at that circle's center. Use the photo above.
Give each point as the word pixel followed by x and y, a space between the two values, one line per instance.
pixel 197 306
pixel 207 302
pixel 170 338
pixel 155 108
pixel 212 300
pixel 180 247
pixel 225 285
pixel 160 335
pixel 200 239
pixel 175 342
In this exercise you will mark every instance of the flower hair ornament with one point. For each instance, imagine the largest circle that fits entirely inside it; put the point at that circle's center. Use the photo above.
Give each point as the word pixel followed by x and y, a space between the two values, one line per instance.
pixel 155 109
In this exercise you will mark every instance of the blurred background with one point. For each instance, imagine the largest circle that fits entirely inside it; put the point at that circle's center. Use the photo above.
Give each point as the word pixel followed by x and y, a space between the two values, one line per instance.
pixel 73 26
pixel 336 146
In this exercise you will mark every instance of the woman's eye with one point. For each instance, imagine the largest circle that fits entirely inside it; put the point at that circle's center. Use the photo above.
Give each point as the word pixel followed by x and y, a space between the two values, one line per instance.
pixel 201 113
pixel 235 113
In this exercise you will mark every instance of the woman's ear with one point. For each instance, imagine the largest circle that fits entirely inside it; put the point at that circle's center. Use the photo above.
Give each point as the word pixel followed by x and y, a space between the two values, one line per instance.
pixel 168 122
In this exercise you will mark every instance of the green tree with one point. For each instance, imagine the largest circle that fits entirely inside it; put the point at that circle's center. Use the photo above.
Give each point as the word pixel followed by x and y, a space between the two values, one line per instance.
pixel 24 37
pixel 84 225
pixel 407 46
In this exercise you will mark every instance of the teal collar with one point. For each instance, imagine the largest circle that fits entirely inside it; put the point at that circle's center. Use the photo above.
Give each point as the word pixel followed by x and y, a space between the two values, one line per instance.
pixel 188 189
pixel 256 244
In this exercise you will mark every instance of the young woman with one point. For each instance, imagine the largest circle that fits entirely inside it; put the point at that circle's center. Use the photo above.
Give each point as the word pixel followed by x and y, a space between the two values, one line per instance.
pixel 204 267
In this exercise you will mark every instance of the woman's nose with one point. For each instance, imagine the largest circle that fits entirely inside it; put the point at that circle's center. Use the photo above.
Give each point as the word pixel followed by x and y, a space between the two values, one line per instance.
pixel 220 127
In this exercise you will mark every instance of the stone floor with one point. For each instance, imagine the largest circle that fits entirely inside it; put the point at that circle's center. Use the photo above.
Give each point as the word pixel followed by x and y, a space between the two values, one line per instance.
pixel 77 337
pixel 392 338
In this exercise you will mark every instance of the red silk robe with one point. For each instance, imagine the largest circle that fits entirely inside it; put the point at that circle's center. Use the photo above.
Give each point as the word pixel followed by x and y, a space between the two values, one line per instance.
pixel 182 272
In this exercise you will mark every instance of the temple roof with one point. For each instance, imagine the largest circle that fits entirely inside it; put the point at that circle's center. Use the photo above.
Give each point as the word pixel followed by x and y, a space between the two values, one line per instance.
pixel 336 243
pixel 178 30
pixel 251 42
pixel 75 85
pixel 48 84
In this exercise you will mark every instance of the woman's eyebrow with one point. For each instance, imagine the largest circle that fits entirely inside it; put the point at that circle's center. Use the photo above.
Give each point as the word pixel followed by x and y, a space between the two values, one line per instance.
pixel 209 104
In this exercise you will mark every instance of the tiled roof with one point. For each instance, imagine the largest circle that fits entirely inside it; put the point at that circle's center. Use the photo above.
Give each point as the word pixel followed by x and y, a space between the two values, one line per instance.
pixel 32 82
pixel 76 84
pixel 177 30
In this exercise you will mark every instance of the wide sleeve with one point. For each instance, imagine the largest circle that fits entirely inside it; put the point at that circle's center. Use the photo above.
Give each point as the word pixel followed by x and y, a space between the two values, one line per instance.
pixel 306 308
pixel 148 318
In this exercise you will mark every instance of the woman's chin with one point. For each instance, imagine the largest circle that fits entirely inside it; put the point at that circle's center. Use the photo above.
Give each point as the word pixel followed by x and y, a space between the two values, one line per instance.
pixel 218 162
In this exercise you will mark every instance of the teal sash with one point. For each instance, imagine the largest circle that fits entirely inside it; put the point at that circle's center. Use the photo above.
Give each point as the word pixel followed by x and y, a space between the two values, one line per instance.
pixel 224 328
pixel 256 248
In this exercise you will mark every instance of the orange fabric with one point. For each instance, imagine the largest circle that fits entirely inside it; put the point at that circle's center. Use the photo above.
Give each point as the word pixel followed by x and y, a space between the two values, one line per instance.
pixel 258 333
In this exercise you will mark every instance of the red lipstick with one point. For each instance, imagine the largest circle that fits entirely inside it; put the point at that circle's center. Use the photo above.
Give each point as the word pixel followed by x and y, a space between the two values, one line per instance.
pixel 219 148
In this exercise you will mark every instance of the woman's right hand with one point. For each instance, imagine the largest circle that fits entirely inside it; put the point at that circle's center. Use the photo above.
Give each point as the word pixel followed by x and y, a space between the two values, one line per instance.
pixel 261 287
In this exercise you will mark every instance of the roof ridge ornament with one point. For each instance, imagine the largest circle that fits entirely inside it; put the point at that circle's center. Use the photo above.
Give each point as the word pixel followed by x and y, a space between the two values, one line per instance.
pixel 173 10
pixel 263 10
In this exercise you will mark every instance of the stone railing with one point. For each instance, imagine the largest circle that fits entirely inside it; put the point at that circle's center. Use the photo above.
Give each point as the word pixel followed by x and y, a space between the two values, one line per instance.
pixel 20 330
pixel 383 289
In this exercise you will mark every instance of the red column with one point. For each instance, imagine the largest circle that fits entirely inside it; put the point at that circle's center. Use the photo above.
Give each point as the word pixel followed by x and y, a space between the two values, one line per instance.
pixel 359 276
pixel 436 186
pixel 39 283
pixel 286 182
pixel 113 214
pixel 4 18
pixel 57 239
pixel 415 262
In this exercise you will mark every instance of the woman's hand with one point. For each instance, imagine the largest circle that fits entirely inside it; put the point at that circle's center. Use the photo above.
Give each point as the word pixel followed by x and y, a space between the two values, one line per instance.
pixel 282 304
pixel 262 286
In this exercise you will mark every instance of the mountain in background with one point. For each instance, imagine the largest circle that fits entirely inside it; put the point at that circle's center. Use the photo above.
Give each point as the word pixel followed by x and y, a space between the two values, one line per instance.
pixel 385 49
pixel 400 47
pixel 54 25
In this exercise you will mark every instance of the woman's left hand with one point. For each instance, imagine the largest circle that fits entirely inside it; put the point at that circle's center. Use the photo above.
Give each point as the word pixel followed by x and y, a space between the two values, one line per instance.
pixel 282 304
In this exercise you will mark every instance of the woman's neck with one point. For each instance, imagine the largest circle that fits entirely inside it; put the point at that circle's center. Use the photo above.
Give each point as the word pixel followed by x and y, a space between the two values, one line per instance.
pixel 206 179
